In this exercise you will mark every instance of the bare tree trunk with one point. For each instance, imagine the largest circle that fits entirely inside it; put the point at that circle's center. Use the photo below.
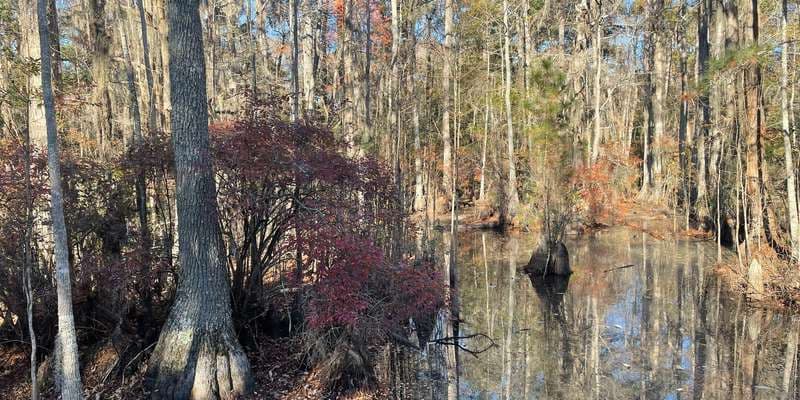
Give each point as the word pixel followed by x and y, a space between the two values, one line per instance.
pixel 310 17
pixel 29 49
pixel 419 194
pixel 684 120
pixel 166 104
pixel 293 22
pixel 350 98
pixel 751 81
pixel 141 183
pixel 659 85
pixel 368 61
pixel 704 15
pixel 446 88
pixel 791 178
pixel 395 87
pixel 101 62
pixel 487 58
pixel 647 129
pixel 198 355
pixel 148 68
pixel 68 345
pixel 55 42
pixel 29 299
pixel 513 196
pixel 598 53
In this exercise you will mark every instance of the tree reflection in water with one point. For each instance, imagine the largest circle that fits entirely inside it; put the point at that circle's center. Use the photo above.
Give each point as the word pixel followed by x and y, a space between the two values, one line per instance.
pixel 661 329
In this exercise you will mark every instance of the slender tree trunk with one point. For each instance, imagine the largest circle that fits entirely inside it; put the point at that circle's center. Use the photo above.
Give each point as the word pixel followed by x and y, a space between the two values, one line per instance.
pixel 68 345
pixel 368 61
pixel 659 84
pixel 309 44
pixel 684 121
pixel 419 193
pixel 647 129
pixel 148 68
pixel 101 62
pixel 29 49
pixel 598 53
pixel 293 22
pixel 446 88
pixel 791 178
pixel 513 196
pixel 349 100
pixel 29 298
pixel 141 183
pixel 166 104
pixel 55 43
pixel 487 97
pixel 198 355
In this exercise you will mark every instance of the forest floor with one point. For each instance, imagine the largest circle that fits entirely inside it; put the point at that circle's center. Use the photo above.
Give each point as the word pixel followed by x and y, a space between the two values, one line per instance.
pixel 278 368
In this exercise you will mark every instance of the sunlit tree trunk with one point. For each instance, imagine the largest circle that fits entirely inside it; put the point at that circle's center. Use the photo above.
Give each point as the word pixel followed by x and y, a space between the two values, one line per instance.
pixel 683 123
pixel 598 53
pixel 419 193
pixel 29 49
pixel 487 97
pixel 752 126
pixel 67 341
pixel 101 62
pixel 166 105
pixel 293 25
pixel 148 68
pixel 198 355
pixel 511 191
pixel 659 100
pixel 791 178
pixel 29 294
pixel 446 93
pixel 647 129
pixel 55 43
pixel 309 46
pixel 349 80
pixel 791 350
pixel 704 13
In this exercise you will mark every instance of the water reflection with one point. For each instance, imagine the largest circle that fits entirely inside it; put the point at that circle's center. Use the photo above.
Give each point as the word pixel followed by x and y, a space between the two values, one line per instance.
pixel 639 318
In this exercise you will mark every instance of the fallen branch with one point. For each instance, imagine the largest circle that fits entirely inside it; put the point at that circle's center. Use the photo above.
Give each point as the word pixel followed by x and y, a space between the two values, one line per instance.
pixel 620 267
pixel 454 341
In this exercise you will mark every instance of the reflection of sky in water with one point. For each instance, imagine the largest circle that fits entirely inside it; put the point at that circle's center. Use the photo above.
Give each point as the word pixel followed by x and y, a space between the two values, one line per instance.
pixel 652 321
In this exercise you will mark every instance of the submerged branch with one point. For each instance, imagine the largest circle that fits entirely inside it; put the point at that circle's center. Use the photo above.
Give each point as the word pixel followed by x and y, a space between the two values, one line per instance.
pixel 454 341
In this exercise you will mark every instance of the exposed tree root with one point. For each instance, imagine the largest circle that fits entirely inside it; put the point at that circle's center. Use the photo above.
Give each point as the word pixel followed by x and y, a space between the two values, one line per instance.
pixel 198 363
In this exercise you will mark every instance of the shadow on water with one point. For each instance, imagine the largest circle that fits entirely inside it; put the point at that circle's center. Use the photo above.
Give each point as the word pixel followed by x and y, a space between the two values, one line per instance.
pixel 638 318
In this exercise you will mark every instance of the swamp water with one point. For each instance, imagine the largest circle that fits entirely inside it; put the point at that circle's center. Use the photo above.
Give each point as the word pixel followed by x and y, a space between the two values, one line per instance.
pixel 638 319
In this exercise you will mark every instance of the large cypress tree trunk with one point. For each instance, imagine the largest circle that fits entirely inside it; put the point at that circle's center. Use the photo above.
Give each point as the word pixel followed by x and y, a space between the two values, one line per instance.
pixel 198 355
pixel 751 81
pixel 67 341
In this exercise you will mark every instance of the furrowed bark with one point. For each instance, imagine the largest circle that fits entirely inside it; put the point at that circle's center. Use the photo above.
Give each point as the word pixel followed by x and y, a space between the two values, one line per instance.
pixel 198 355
